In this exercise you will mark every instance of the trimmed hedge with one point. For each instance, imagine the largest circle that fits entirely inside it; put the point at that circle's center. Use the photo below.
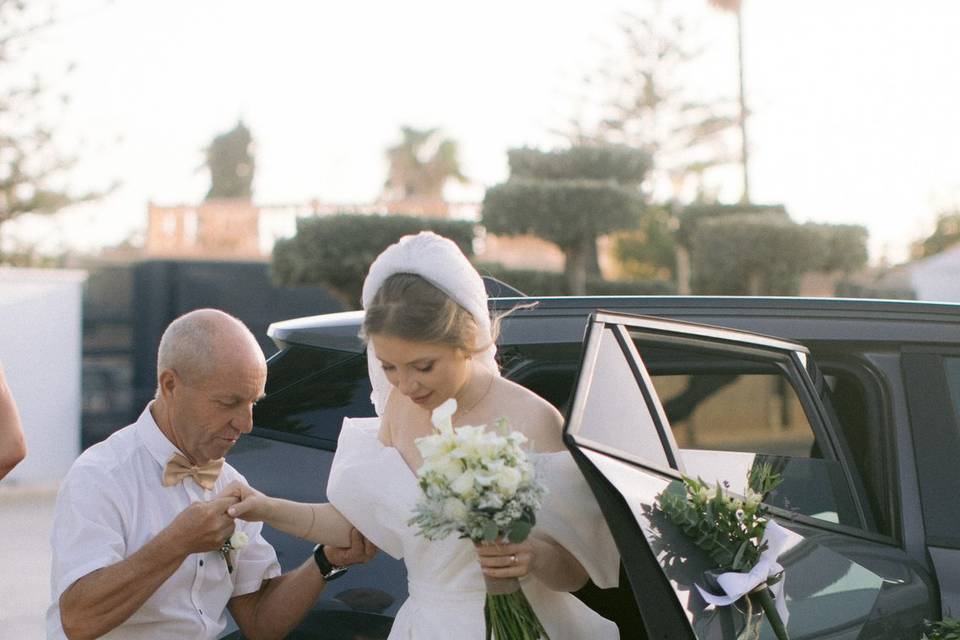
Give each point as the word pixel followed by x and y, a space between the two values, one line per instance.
pixel 551 283
pixel 336 251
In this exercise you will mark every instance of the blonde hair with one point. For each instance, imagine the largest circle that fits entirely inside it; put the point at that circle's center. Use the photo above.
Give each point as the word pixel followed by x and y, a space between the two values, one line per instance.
pixel 408 306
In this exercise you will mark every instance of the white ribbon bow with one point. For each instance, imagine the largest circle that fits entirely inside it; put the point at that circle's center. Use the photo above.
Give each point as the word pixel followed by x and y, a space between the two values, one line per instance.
pixel 736 584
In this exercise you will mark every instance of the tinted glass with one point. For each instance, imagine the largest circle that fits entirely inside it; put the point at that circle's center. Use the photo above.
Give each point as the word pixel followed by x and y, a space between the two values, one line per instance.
pixel 616 413
pixel 730 410
pixel 316 405
pixel 298 362
pixel 952 366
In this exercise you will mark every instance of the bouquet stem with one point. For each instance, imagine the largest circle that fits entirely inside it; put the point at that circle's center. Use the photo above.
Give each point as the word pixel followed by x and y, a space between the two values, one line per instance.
pixel 765 598
pixel 508 613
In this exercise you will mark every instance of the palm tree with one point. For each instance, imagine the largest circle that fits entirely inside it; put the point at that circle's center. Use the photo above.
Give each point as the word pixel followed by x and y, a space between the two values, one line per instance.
pixel 421 164
pixel 735 7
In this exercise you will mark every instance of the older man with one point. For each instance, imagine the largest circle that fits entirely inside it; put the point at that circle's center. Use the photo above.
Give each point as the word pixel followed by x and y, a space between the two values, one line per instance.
pixel 141 518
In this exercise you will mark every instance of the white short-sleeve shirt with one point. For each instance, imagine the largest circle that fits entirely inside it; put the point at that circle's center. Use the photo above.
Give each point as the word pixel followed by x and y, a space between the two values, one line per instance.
pixel 112 502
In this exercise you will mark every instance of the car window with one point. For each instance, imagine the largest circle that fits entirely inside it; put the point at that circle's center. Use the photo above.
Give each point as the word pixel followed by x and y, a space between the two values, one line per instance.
pixel 616 412
pixel 952 367
pixel 298 362
pixel 316 405
pixel 730 410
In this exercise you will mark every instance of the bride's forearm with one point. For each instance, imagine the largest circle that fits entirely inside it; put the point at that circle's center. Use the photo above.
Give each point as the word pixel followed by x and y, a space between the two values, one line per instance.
pixel 315 522
pixel 556 567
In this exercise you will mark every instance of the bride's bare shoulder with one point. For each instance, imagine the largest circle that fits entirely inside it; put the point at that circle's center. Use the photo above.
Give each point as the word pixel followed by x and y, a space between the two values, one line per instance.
pixel 532 415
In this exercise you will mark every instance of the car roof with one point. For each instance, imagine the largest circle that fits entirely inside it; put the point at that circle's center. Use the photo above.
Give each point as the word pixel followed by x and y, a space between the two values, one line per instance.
pixel 788 317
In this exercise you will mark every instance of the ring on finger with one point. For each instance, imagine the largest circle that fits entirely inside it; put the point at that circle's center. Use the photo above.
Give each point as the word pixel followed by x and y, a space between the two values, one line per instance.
pixel 513 559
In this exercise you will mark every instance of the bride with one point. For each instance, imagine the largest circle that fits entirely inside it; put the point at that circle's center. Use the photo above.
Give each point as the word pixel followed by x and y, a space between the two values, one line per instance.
pixel 430 338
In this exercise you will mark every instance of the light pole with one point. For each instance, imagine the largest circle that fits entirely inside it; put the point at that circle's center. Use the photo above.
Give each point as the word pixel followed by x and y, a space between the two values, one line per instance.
pixel 735 7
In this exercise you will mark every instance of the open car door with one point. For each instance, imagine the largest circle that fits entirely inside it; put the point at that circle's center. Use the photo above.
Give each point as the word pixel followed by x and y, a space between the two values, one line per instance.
pixel 656 399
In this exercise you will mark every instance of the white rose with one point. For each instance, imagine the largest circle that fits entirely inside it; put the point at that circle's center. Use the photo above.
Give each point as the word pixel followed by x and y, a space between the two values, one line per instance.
pixel 508 479
pixel 239 540
pixel 449 468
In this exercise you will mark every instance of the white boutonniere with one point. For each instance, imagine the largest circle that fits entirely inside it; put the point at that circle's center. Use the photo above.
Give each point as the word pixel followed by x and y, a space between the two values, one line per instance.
pixel 237 541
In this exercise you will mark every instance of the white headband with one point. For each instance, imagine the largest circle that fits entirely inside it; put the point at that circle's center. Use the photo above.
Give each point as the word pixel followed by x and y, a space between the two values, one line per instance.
pixel 440 262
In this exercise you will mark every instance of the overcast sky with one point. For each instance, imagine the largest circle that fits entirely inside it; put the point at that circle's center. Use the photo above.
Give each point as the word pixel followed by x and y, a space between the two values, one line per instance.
pixel 855 102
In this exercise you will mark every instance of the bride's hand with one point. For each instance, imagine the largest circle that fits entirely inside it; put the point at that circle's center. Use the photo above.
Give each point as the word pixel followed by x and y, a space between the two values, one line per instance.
pixel 253 506
pixel 505 560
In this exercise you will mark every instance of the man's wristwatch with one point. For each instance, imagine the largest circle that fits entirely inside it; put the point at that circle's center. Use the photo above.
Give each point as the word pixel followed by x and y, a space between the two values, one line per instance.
pixel 327 570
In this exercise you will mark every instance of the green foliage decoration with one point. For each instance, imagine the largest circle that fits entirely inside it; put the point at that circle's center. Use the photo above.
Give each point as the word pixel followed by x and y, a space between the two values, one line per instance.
pixel 729 528
pixel 336 251
pixel 946 629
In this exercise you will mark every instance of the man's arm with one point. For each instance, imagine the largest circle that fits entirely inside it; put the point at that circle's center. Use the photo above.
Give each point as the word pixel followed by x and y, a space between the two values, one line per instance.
pixel 103 599
pixel 13 447
pixel 281 603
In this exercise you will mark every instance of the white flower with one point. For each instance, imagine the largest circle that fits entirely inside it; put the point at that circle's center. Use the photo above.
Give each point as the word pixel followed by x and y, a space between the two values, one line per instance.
pixel 490 501
pixel 449 468
pixel 442 416
pixel 463 485
pixel 239 540
pixel 430 446
pixel 508 479
pixel 455 510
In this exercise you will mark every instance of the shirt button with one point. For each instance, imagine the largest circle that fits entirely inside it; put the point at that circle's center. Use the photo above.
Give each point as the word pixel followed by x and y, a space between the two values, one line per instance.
pixel 201 563
pixel 201 611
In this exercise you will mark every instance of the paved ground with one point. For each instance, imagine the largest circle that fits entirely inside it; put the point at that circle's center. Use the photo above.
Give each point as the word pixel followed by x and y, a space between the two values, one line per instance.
pixel 26 515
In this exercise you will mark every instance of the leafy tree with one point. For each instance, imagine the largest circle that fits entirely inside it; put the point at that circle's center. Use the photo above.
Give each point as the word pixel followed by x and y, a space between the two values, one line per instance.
pixel 569 197
pixel 648 252
pixel 32 169
pixel 646 101
pixel 421 164
pixel 231 164
pixel 945 235
pixel 336 251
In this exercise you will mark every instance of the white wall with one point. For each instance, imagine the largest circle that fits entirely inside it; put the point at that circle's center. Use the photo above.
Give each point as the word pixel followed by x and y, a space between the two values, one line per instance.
pixel 40 346
pixel 937 277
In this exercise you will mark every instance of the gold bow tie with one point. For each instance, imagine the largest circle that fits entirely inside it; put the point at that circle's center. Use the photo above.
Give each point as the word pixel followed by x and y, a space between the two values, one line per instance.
pixel 178 468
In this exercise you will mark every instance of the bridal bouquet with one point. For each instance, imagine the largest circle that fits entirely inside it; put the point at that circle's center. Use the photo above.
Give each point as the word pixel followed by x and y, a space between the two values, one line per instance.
pixel 481 485
pixel 739 538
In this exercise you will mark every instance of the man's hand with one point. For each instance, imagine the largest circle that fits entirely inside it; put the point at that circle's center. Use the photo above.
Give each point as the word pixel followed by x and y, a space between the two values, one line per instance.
pixel 251 505
pixel 204 526
pixel 360 550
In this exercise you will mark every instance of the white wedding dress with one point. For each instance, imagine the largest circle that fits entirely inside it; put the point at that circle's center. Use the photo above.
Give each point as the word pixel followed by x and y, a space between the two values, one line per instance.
pixel 372 486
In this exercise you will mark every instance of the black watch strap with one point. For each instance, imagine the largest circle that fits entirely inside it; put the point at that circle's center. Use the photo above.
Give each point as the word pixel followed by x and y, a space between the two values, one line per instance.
pixel 327 570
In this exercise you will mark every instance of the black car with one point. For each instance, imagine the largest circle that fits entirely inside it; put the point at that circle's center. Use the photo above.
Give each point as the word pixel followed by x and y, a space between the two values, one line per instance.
pixel 856 403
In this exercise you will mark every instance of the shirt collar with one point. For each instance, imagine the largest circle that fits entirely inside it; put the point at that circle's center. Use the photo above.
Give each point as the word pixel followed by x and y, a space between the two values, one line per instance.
pixel 160 448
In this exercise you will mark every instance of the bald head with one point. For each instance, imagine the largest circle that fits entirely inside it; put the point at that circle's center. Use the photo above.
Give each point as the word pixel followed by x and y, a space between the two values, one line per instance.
pixel 198 343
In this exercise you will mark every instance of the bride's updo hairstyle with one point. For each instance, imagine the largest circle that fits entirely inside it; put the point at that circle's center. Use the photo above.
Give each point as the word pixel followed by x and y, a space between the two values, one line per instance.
pixel 409 307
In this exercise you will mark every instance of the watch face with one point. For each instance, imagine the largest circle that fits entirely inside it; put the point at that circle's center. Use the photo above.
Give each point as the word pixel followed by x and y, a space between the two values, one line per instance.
pixel 335 573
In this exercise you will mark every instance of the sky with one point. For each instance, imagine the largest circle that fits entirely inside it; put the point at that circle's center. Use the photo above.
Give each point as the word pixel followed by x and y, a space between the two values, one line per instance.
pixel 854 104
